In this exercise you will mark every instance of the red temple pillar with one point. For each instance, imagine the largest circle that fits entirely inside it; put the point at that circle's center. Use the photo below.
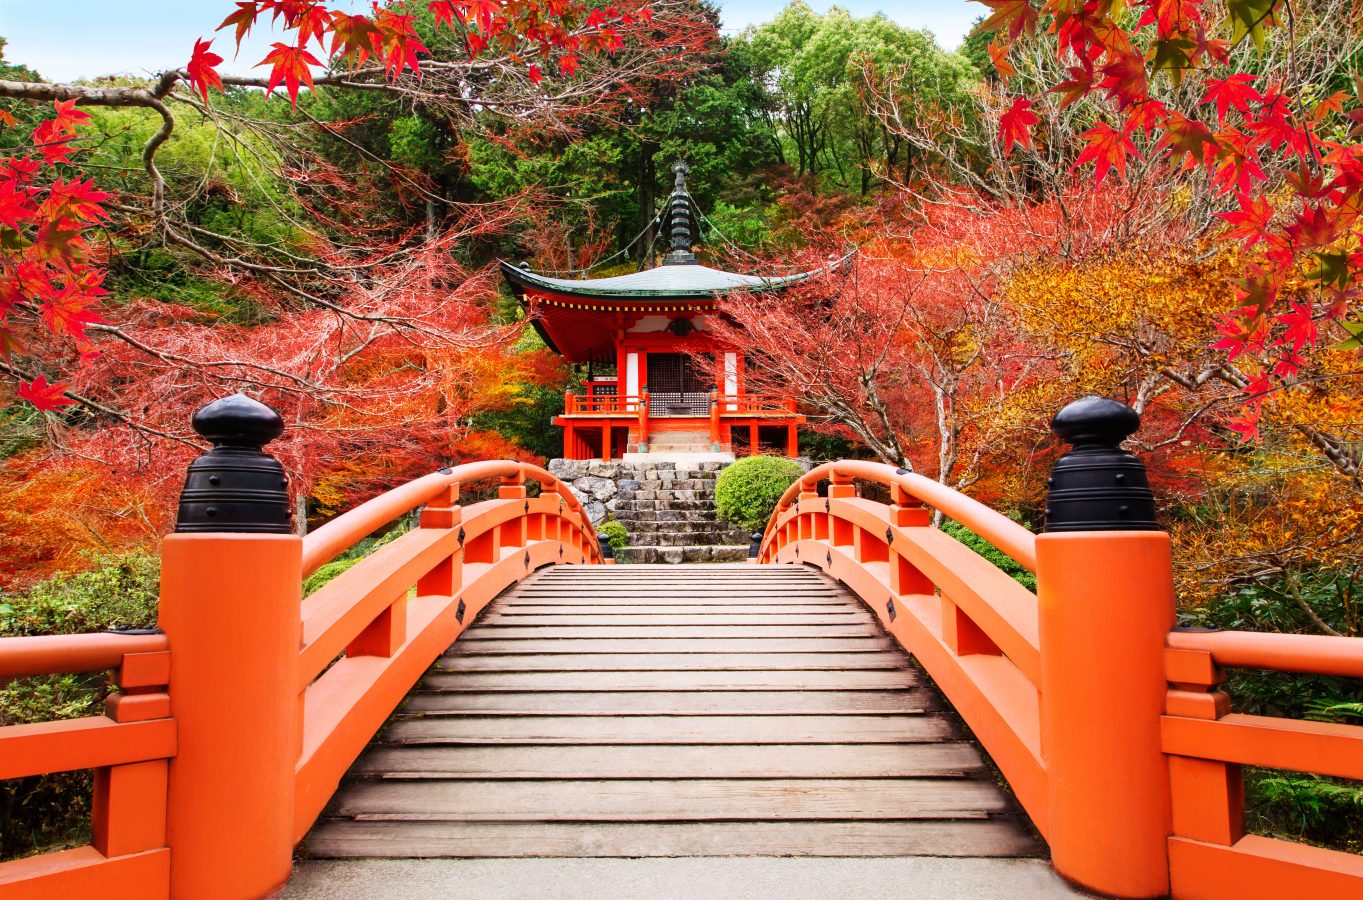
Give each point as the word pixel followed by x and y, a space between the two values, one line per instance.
pixel 753 446
pixel 792 441
pixel 606 441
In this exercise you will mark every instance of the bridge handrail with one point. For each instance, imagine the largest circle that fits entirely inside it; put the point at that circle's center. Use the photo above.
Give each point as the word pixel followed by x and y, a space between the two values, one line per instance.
pixel 343 532
pixel 979 640
pixel 129 748
pixel 1206 744
pixel 59 654
pixel 1314 654
pixel 1010 537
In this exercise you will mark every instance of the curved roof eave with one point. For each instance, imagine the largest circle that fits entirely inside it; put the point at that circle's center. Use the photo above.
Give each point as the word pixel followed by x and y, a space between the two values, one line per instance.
pixel 674 281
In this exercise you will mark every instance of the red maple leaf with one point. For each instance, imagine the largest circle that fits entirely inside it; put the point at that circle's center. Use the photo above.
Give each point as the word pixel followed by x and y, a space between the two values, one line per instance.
pixel 998 55
pixel 77 200
pixel 16 205
pixel 1314 226
pixel 482 13
pixel 1236 166
pixel 1301 326
pixel 289 65
pixel 1126 81
pixel 1015 15
pixel 443 10
pixel 67 312
pixel 353 38
pixel 534 74
pixel 202 68
pixel 1077 87
pixel 44 396
pixel 1015 126
pixel 568 64
pixel 1170 16
pixel 68 117
pixel 1250 223
pixel 1107 148
pixel 1233 92
pixel 1188 140
pixel 243 19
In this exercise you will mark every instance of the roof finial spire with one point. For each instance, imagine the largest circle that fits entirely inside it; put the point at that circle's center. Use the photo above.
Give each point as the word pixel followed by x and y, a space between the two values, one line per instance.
pixel 679 215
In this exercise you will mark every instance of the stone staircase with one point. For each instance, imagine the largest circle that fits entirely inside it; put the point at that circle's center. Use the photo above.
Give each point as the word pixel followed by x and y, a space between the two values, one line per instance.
pixel 667 507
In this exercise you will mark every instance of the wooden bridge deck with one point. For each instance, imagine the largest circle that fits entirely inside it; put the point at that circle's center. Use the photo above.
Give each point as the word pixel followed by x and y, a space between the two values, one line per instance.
pixel 672 711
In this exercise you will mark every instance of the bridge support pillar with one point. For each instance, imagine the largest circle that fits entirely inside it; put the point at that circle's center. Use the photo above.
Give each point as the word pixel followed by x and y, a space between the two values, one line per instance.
pixel 1106 607
pixel 231 589
pixel 1106 603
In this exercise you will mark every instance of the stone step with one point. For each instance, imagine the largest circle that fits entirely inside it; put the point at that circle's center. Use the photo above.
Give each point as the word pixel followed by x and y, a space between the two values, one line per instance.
pixel 650 506
pixel 674 484
pixel 691 554
pixel 670 495
pixel 675 526
pixel 625 516
pixel 690 538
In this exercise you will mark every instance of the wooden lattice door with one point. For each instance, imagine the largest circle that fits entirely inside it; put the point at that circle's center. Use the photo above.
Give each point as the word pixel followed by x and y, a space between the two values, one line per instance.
pixel 679 385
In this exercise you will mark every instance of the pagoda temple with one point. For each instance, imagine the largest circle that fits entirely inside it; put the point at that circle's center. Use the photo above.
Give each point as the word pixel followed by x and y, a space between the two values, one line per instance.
pixel 652 357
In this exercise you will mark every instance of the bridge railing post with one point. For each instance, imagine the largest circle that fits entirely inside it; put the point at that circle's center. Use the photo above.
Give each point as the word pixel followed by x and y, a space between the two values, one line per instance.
pixel 230 607
pixel 1106 604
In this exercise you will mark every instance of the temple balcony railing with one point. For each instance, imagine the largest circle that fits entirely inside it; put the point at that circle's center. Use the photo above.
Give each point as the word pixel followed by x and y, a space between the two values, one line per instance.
pixel 696 404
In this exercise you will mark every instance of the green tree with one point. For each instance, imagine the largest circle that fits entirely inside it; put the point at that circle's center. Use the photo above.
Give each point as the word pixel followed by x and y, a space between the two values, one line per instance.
pixel 818 70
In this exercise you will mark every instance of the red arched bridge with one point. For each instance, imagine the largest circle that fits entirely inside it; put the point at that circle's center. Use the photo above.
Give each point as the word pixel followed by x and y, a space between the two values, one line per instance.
pixel 777 693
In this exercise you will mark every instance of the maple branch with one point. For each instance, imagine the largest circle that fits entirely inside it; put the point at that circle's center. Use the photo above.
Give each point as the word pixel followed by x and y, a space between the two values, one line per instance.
pixel 98 407
pixel 148 98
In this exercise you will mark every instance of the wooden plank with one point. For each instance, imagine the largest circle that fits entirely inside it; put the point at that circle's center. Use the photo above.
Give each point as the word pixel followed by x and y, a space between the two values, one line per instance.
pixel 667 662
pixel 851 729
pixel 683 609
pixel 955 838
pixel 485 632
pixel 869 679
pixel 625 602
pixel 674 703
pixel 660 621
pixel 945 760
pixel 650 593
pixel 692 800
pixel 758 646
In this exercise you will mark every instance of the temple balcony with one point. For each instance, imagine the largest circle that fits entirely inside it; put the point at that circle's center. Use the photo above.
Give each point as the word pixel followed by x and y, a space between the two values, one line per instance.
pixel 602 424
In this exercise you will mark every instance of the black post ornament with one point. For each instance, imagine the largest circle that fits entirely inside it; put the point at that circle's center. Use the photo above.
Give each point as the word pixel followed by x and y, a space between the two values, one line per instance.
pixel 1098 486
pixel 755 548
pixel 236 486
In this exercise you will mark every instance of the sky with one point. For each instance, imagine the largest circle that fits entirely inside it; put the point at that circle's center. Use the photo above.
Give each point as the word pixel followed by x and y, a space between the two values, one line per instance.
pixel 69 39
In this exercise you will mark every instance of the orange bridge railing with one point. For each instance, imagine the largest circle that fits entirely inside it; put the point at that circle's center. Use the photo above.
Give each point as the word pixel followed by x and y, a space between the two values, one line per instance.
pixel 204 791
pixel 1108 724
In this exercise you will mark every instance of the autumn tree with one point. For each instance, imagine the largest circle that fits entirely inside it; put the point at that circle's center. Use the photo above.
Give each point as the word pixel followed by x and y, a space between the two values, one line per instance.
pixel 262 245
pixel 1250 98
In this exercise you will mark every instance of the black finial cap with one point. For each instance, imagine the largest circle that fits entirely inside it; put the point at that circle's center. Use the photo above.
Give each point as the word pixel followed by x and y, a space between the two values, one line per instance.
pixel 236 486
pixel 755 548
pixel 607 551
pixel 238 421
pixel 1098 486
pixel 1095 421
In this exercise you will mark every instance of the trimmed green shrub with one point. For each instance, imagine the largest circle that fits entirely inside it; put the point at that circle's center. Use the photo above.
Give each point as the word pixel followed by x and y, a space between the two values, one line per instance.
pixel 613 533
pixel 747 491
pixel 996 556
